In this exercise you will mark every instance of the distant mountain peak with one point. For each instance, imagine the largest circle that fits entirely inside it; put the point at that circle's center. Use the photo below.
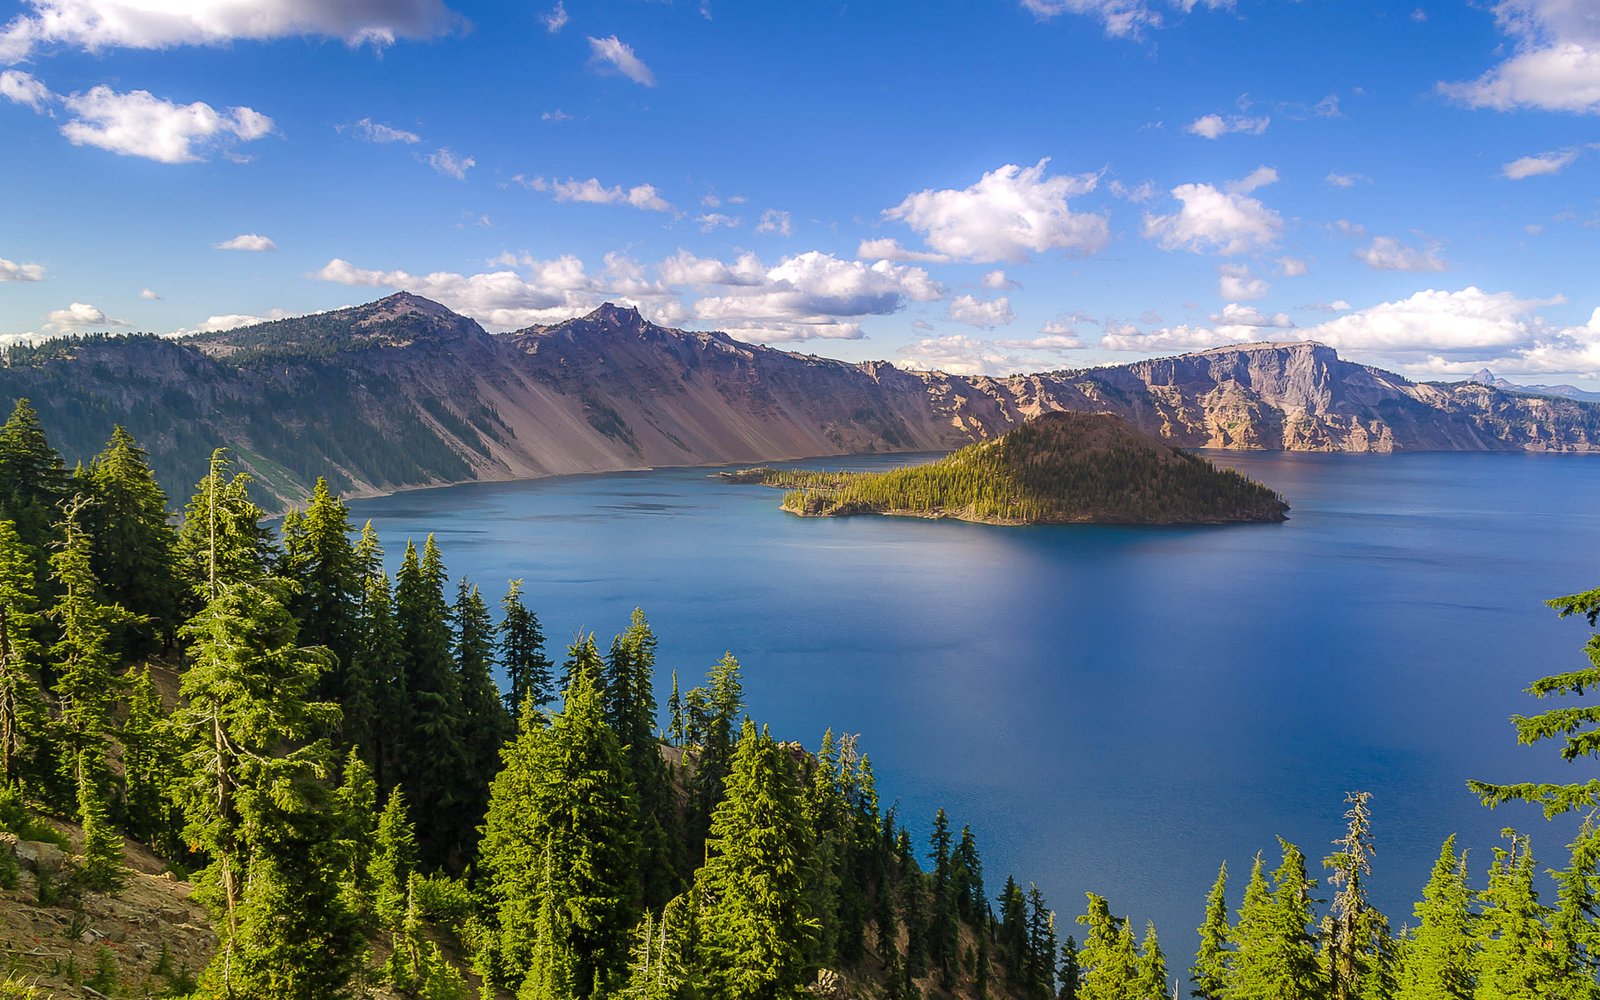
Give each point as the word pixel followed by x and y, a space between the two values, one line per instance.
pixel 404 303
pixel 621 317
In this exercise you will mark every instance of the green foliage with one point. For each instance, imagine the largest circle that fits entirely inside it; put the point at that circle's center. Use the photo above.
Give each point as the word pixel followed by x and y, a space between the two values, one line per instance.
pixel 134 544
pixel 221 541
pixel 33 479
pixel 21 705
pixel 150 755
pixel 1358 959
pixel 1108 963
pixel 486 725
pixel 522 653
pixel 1440 954
pixel 1060 467
pixel 1209 974
pixel 393 860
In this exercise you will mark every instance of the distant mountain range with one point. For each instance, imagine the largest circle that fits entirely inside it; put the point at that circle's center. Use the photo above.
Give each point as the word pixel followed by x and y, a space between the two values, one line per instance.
pixel 1487 377
pixel 403 392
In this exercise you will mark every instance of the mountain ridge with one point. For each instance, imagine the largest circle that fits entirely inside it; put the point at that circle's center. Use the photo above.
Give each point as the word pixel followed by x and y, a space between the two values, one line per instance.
pixel 402 393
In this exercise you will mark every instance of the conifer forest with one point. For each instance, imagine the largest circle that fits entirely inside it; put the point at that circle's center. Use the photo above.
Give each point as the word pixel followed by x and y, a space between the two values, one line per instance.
pixel 328 755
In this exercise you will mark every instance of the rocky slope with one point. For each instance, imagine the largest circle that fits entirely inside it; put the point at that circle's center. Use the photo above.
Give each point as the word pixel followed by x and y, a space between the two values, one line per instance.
pixel 402 392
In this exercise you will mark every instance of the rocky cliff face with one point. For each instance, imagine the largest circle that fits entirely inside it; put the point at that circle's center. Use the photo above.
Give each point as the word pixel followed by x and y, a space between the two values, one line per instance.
pixel 402 392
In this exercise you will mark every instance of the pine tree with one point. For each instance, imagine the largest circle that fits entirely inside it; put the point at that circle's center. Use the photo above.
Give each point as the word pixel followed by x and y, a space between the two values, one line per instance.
pixel 675 731
pixel 379 662
pixel 1516 955
pixel 559 849
pixel 1209 974
pixel 522 653
pixel 33 479
pixel 434 760
pixel 319 556
pixel 1440 957
pixel 1108 963
pixel 254 801
pixel 723 699
pixel 221 540
pixel 485 723
pixel 1071 971
pixel 1150 969
pixel 1014 927
pixel 133 542
pixel 21 708
pixel 150 760
pixel 356 803
pixel 755 928
pixel 944 923
pixel 1358 956
pixel 631 712
pixel 1574 926
pixel 1276 956
pixel 102 867
pixel 824 811
pixel 966 879
pixel 393 861
pixel 1039 971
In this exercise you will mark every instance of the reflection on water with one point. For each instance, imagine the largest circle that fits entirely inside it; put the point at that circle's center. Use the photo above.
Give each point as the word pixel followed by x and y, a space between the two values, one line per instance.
pixel 1116 709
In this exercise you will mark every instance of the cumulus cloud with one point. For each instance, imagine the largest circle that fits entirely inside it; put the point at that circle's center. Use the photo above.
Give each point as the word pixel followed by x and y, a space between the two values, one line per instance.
pixel 592 192
pixel 23 88
pixel 1555 65
pixel 775 220
pixel 1122 18
pixel 977 312
pixel 889 249
pixel 684 268
pixel 449 164
pixel 712 221
pixel 253 242
pixel 1537 166
pixel 999 281
pixel 10 270
pixel 962 354
pixel 149 295
pixel 1224 221
pixel 1293 267
pixel 97 25
pixel 813 295
pixel 556 19
pixel 1009 213
pixel 1385 253
pixel 1339 180
pixel 1236 283
pixel 1216 126
pixel 611 55
pixel 231 321
pixel 80 314
pixel 370 131
pixel 1234 314
pixel 140 124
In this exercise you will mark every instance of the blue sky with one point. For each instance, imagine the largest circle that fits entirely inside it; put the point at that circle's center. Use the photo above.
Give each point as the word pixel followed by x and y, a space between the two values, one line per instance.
pixel 977 186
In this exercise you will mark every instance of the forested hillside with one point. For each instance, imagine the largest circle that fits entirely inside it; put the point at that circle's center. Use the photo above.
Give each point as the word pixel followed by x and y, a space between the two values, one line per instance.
pixel 324 752
pixel 1058 468
pixel 402 393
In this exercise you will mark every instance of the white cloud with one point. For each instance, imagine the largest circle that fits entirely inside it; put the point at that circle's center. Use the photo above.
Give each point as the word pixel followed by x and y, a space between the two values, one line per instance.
pixel 1236 283
pixel 80 314
pixel 684 268
pixel 231 321
pixel 1339 180
pixel 889 249
pixel 592 192
pixel 1556 65
pixel 140 124
pixel 1347 228
pixel 1122 18
pixel 1137 194
pixel 976 312
pixel 613 55
pixel 253 242
pixel 1385 253
pixel 539 291
pixel 717 220
pixel 998 281
pixel 1227 222
pixel 149 295
pixel 1293 267
pixel 1538 166
pixel 555 116
pixel 10 271
pixel 22 88
pixel 1216 126
pixel 811 295
pixel 775 220
pixel 1010 212
pixel 1234 314
pixel 556 19
pixel 97 25
pixel 371 131
pixel 449 164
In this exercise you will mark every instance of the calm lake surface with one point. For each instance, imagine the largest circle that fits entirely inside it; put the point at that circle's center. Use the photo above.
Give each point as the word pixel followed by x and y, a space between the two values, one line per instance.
pixel 1115 709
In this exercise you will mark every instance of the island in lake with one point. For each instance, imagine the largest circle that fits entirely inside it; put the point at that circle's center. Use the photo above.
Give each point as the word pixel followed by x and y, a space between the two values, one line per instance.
pixel 1058 468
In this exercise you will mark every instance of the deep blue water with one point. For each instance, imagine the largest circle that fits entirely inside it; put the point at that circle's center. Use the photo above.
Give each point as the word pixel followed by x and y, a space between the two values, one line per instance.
pixel 1116 709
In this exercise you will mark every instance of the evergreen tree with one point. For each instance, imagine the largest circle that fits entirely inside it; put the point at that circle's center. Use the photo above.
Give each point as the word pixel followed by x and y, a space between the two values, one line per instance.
pixel 319 556
pixel 33 479
pixel 379 662
pixel 1071 971
pixel 1358 956
pixel 21 710
pixel 1150 969
pixel 825 817
pixel 1039 970
pixel 522 653
pixel 1276 956
pixel 966 877
pixel 356 802
pixel 102 867
pixel 133 542
pixel 1209 974
pixel 393 861
pixel 1575 924
pixel 150 760
pixel 559 849
pixel 631 712
pixel 754 927
pixel 485 723
pixel 1517 960
pixel 675 731
pixel 221 540
pixel 1108 963
pixel 945 923
pixel 1014 927
pixel 723 701
pixel 255 802
pixel 434 760
pixel 1440 957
